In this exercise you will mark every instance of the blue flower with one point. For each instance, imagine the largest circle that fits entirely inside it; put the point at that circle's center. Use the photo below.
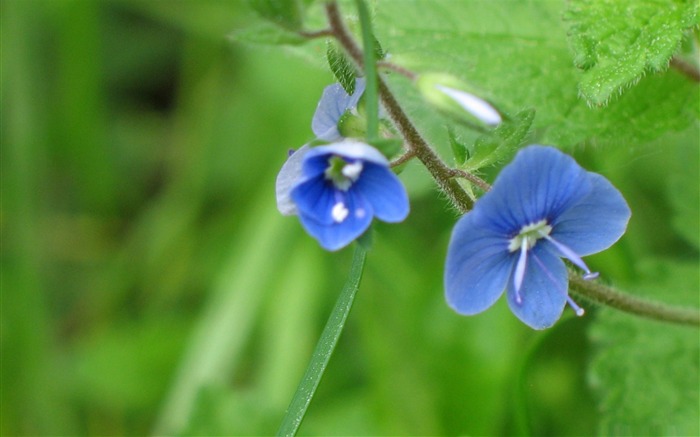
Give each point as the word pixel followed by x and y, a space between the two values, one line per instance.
pixel 337 189
pixel 334 103
pixel 541 208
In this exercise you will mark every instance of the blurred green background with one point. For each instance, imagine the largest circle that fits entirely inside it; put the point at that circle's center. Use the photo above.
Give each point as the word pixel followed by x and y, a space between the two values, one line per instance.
pixel 149 284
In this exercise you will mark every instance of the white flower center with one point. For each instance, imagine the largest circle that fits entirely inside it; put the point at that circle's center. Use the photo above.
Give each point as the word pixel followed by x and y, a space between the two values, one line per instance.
pixel 342 173
pixel 528 236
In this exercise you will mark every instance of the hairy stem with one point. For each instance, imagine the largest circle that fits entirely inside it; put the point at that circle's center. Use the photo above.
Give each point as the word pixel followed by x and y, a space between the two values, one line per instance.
pixel 442 174
pixel 686 68
pixel 634 305
pixel 311 34
pixel 407 156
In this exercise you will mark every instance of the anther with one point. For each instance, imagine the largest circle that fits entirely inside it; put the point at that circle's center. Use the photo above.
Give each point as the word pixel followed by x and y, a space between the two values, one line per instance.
pixel 339 212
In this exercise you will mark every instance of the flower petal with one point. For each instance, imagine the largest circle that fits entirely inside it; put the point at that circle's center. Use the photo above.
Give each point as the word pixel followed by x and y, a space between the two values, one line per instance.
pixel 333 104
pixel 350 149
pixel 384 191
pixel 289 175
pixel 477 268
pixel 315 199
pixel 336 235
pixel 540 183
pixel 596 222
pixel 543 292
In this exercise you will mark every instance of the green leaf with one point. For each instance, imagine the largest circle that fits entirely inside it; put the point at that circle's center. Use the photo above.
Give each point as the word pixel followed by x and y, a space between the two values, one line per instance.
pixel 459 149
pixel 501 143
pixel 324 349
pixel 647 373
pixel 342 69
pixel 618 41
pixel 517 53
pixel 285 13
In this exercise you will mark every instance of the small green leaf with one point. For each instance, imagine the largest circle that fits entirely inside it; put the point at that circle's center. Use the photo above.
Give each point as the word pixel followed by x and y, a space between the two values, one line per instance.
pixel 379 52
pixel 616 42
pixel 285 13
pixel 342 69
pixel 501 143
pixel 459 150
pixel 647 373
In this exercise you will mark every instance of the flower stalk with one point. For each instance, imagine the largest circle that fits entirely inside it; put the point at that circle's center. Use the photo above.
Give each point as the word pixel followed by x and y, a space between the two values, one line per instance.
pixel 417 145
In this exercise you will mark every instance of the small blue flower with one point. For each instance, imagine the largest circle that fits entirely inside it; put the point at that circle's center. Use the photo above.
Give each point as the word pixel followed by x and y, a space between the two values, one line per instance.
pixel 334 103
pixel 336 190
pixel 542 207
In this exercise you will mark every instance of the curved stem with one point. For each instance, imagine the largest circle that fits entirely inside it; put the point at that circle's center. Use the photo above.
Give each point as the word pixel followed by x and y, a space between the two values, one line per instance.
pixel 407 156
pixel 630 304
pixel 439 170
pixel 471 178
pixel 686 68
pixel 311 34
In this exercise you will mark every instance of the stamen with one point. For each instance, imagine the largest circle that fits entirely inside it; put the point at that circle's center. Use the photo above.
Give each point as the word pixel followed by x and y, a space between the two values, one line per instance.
pixel 577 309
pixel 573 257
pixel 339 212
pixel 352 171
pixel 519 275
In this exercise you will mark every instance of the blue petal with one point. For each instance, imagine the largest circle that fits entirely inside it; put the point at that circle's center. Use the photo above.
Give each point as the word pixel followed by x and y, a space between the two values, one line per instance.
pixel 335 236
pixel 540 183
pixel 596 222
pixel 289 175
pixel 477 268
pixel 333 104
pixel 544 289
pixel 350 149
pixel 315 199
pixel 384 191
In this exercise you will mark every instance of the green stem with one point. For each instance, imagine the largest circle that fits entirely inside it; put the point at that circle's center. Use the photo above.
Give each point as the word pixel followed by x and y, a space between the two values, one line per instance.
pixel 371 98
pixel 324 348
pixel 607 296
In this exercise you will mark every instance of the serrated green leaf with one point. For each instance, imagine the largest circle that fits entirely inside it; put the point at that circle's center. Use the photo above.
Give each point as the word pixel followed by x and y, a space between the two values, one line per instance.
pixel 285 13
pixel 501 143
pixel 459 149
pixel 518 54
pixel 341 68
pixel 616 42
pixel 647 373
